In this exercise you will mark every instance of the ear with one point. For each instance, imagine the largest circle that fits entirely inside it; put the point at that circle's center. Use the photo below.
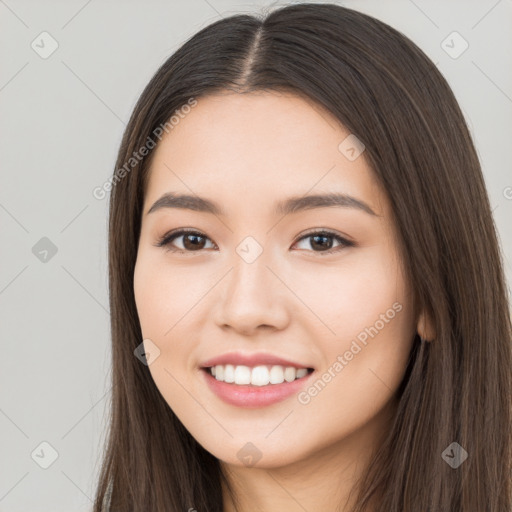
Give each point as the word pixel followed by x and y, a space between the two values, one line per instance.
pixel 425 327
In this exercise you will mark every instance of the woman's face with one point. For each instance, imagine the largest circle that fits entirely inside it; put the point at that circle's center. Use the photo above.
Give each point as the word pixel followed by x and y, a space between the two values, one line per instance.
pixel 259 280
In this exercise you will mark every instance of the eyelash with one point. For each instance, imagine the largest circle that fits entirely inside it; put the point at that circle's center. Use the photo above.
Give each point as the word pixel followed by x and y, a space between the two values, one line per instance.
pixel 166 240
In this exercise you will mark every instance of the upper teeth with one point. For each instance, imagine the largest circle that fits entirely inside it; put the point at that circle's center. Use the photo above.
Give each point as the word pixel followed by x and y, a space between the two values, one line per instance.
pixel 257 376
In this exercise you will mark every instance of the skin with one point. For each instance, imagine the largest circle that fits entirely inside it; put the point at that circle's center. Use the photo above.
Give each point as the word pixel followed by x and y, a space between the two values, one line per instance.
pixel 246 152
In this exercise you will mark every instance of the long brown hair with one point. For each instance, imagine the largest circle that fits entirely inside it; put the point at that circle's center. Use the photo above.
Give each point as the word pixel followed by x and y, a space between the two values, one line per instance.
pixel 458 387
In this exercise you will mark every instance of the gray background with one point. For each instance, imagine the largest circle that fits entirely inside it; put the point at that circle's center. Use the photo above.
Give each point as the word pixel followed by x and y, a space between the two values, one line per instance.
pixel 62 119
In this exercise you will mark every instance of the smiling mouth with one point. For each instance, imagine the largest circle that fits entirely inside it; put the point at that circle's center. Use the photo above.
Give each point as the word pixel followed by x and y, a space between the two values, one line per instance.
pixel 257 376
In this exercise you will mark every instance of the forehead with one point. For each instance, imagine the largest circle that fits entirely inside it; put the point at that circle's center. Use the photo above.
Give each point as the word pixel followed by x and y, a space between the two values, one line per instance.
pixel 255 146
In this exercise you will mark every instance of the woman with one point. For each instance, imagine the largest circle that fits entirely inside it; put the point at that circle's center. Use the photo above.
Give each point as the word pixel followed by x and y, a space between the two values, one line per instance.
pixel 308 302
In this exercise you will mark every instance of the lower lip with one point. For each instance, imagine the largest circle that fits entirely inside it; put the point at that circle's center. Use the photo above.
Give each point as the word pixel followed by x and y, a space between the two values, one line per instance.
pixel 250 396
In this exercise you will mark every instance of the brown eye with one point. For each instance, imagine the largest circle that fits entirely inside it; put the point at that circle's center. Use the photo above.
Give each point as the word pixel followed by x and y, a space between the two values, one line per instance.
pixel 322 242
pixel 192 241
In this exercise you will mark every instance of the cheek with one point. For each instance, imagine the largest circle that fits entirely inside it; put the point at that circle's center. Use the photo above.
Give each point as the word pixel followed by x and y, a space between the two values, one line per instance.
pixel 160 306
pixel 168 301
pixel 366 332
pixel 149 299
pixel 163 295
pixel 364 365
pixel 354 294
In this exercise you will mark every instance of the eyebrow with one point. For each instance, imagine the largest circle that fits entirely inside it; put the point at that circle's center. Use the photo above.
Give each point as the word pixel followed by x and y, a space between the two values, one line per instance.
pixel 285 207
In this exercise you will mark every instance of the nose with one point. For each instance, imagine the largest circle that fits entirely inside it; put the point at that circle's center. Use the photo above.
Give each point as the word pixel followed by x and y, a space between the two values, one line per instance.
pixel 252 298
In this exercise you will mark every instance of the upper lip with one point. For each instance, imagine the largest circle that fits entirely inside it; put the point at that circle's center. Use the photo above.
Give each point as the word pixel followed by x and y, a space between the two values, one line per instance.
pixel 255 359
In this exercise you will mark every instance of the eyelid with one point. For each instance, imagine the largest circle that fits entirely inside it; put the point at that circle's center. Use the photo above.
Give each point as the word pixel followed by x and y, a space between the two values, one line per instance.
pixel 326 231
